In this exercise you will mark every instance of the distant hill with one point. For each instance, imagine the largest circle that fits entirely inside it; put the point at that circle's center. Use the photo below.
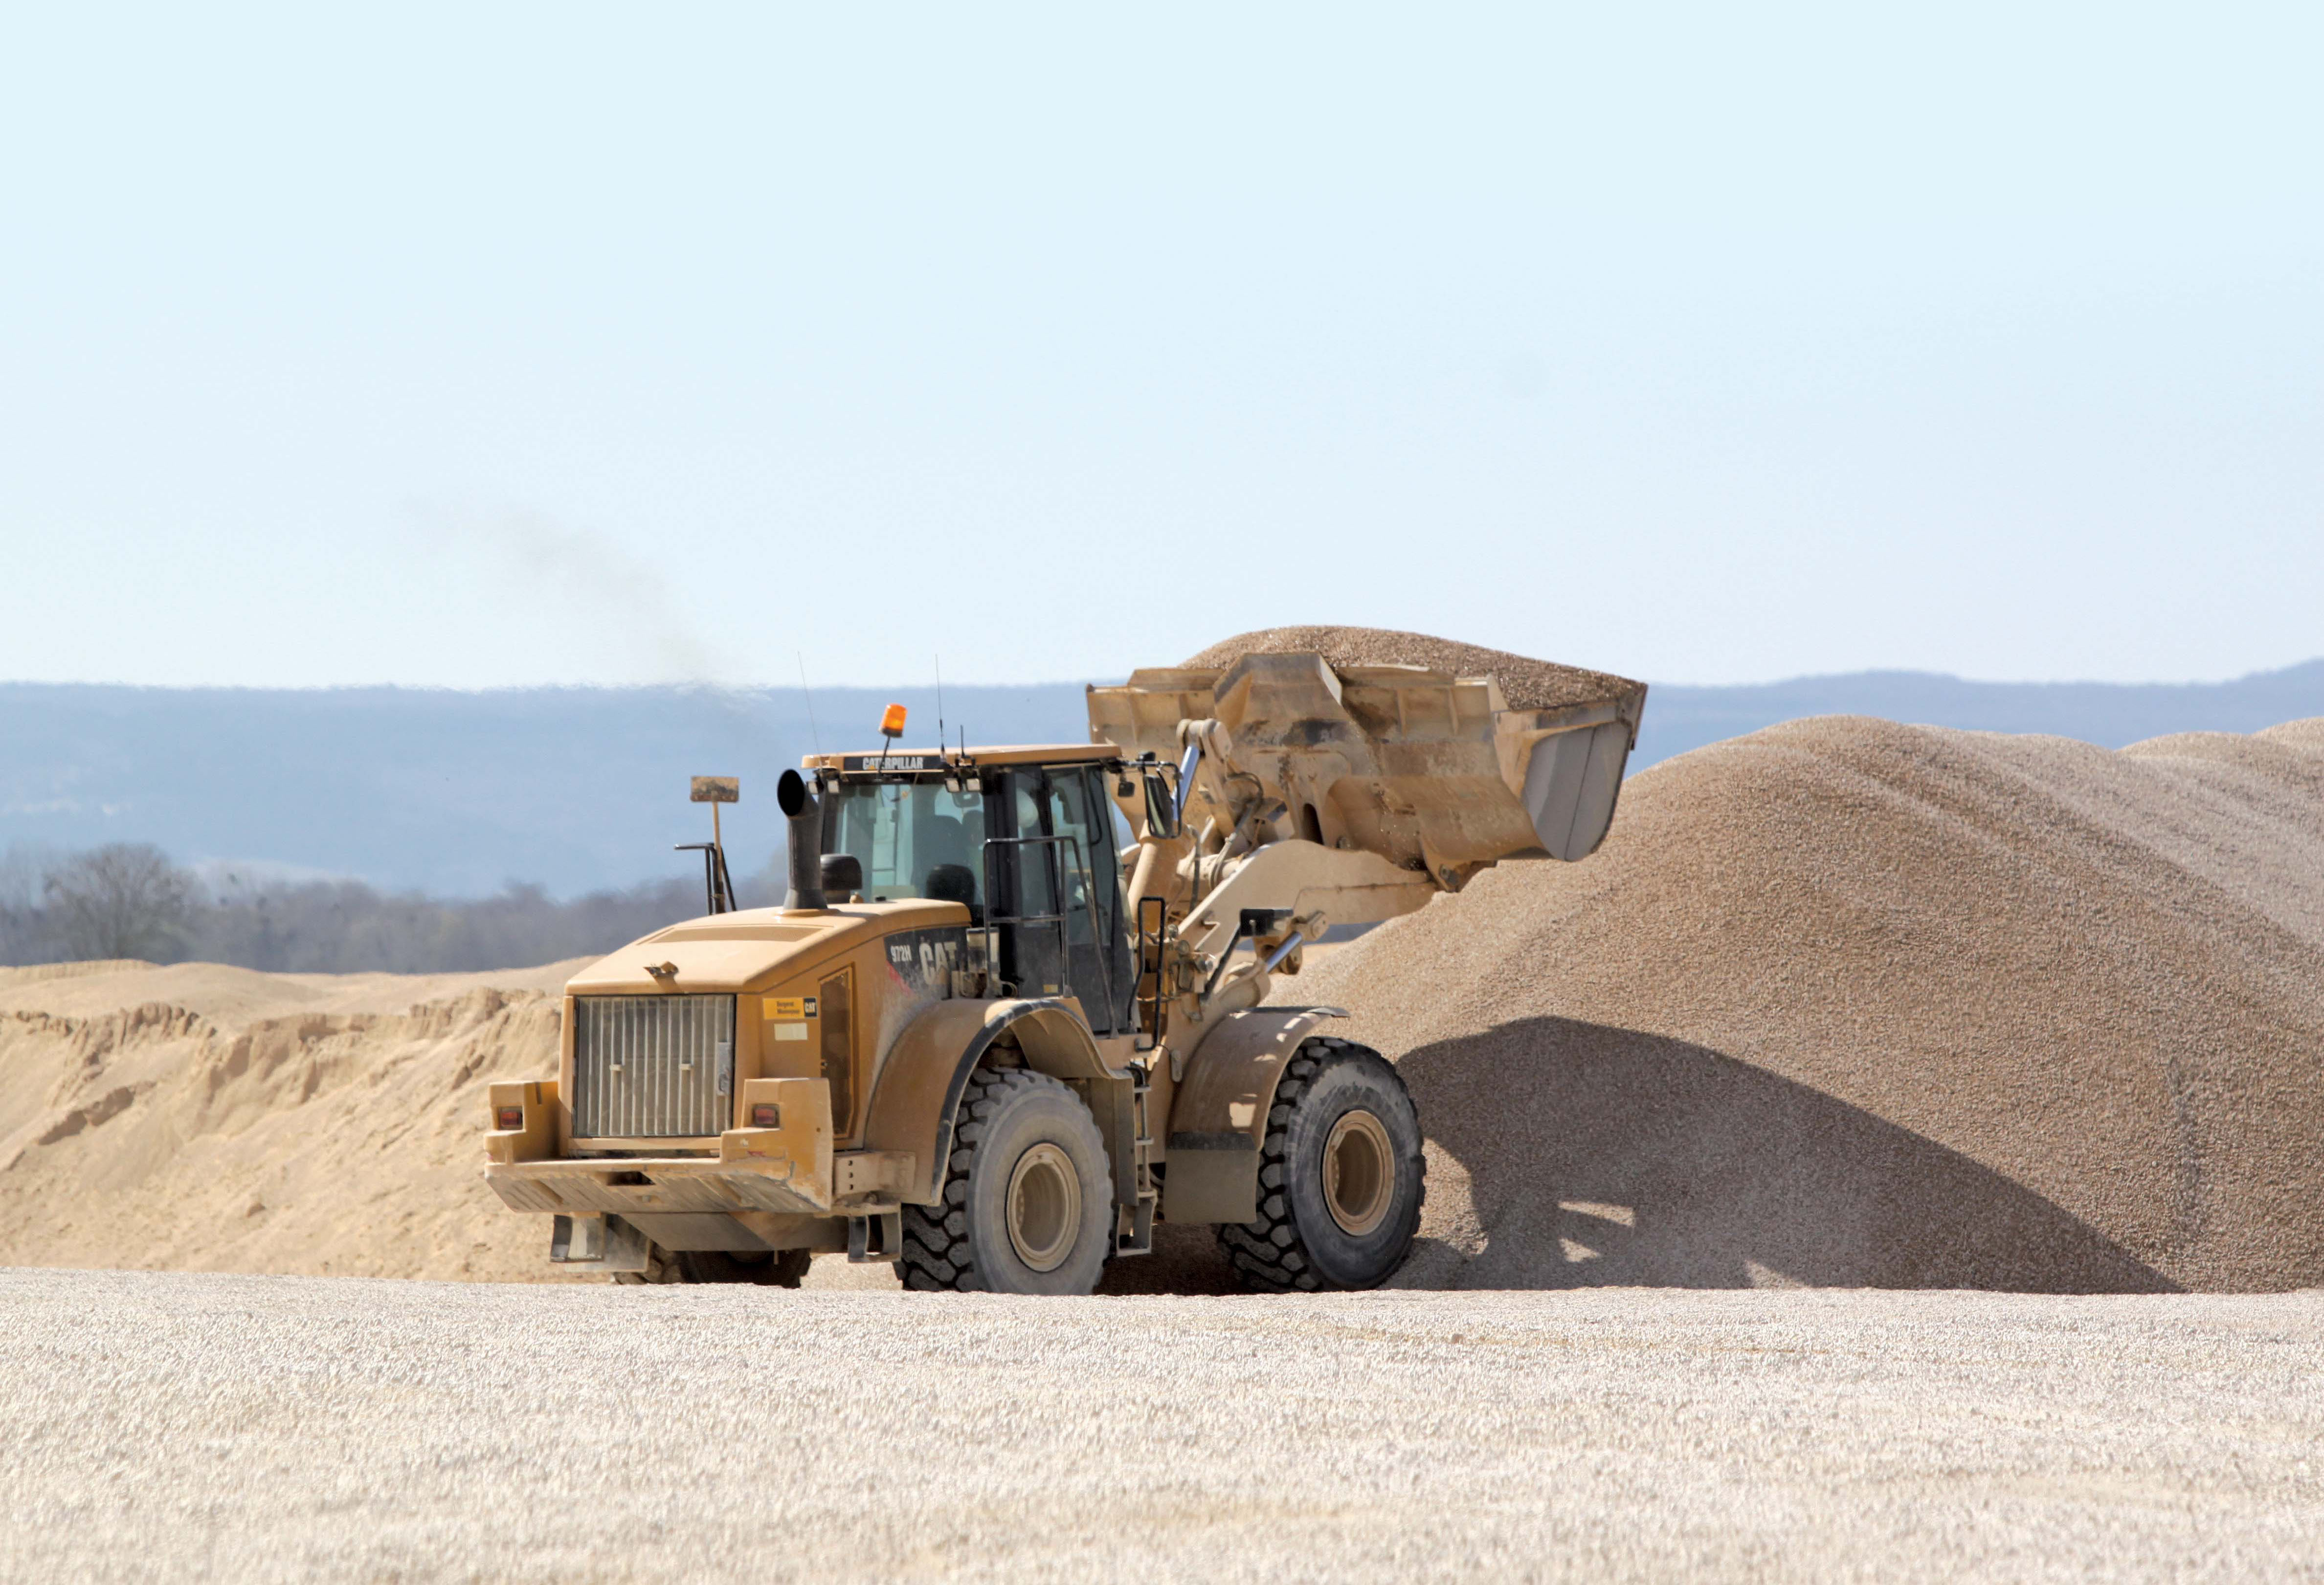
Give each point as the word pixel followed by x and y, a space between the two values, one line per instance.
pixel 450 792
pixel 578 789
pixel 2112 714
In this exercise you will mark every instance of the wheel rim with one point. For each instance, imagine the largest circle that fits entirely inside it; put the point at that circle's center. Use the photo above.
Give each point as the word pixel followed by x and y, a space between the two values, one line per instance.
pixel 1045 1207
pixel 1359 1172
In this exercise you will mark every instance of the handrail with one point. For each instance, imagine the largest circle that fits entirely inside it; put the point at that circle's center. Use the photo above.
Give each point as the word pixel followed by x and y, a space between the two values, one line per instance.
pixel 1146 1010
pixel 1064 937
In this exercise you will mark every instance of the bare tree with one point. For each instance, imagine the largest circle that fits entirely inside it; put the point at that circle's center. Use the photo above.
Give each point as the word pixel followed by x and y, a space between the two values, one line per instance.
pixel 124 900
pixel 129 901
pixel 23 930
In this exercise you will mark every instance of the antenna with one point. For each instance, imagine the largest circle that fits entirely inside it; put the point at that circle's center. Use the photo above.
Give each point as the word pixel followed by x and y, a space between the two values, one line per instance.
pixel 810 703
pixel 940 731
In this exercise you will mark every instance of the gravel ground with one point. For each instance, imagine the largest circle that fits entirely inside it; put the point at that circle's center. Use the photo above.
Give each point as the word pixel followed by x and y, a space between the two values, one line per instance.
pixel 182 1426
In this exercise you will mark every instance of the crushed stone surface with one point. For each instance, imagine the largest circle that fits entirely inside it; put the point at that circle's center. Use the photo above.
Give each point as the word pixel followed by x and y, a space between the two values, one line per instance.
pixel 174 1426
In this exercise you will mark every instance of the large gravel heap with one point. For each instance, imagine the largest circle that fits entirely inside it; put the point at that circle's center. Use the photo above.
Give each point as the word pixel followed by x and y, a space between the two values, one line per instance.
pixel 1846 1001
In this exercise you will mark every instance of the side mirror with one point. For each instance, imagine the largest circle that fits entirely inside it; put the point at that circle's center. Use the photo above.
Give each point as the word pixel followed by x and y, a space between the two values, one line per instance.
pixel 1161 808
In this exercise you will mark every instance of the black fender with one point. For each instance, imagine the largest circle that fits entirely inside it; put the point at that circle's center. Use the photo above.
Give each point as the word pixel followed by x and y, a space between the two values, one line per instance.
pixel 1217 1116
pixel 917 1097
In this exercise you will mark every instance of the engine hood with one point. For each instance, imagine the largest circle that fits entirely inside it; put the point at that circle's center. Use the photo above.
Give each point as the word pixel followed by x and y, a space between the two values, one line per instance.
pixel 753 949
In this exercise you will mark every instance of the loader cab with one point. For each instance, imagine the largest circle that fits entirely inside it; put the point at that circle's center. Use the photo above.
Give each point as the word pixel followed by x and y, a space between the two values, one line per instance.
pixel 1026 839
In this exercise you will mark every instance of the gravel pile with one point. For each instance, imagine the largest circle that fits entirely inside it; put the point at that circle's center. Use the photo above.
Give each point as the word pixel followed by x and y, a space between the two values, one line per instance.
pixel 1527 683
pixel 184 1427
pixel 1850 1003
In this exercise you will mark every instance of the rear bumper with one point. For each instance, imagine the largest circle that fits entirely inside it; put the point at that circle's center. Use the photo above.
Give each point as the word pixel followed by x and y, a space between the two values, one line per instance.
pixel 665 1184
pixel 785 1167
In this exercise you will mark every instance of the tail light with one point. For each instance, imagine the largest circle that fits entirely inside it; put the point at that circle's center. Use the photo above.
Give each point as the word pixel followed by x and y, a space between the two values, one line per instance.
pixel 508 1119
pixel 766 1114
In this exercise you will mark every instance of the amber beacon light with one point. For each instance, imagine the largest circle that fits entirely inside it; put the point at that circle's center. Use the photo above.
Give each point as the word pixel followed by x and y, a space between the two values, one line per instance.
pixel 891 722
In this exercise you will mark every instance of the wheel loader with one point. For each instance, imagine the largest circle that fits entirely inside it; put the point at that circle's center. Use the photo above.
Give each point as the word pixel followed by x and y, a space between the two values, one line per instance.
pixel 1017 1005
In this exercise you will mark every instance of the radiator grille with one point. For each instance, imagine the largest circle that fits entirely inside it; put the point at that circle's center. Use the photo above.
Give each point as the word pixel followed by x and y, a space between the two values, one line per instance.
pixel 652 1067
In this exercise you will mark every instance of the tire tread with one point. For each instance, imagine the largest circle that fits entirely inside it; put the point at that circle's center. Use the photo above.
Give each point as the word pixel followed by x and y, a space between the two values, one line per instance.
pixel 938 1257
pixel 1268 1255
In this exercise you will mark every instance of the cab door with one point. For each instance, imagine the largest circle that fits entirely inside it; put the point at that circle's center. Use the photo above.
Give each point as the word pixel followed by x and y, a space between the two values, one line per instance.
pixel 1059 906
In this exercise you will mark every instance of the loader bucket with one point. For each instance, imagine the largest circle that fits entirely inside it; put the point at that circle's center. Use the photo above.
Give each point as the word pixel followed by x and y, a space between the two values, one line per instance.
pixel 1432 771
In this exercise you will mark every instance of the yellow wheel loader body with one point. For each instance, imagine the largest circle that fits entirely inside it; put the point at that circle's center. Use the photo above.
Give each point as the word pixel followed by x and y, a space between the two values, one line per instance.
pixel 981 946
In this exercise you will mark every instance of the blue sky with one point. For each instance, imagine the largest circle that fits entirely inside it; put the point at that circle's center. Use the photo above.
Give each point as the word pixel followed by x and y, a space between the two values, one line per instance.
pixel 602 343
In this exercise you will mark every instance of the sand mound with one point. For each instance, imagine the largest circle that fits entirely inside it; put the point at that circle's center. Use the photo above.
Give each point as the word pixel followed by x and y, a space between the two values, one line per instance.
pixel 31 972
pixel 1527 683
pixel 1846 1001
pixel 207 1118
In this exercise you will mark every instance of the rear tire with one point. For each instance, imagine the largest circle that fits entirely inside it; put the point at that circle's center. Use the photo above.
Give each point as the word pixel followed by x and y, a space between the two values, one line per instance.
pixel 1027 1204
pixel 1341 1176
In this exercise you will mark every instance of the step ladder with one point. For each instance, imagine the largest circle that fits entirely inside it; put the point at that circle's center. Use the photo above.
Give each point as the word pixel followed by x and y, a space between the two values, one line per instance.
pixel 1133 1226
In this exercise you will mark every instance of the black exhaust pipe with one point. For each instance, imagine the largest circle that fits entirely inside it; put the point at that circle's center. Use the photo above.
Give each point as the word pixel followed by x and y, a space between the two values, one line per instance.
pixel 803 810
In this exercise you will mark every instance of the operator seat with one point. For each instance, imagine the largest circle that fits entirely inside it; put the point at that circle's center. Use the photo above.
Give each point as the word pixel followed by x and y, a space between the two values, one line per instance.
pixel 955 883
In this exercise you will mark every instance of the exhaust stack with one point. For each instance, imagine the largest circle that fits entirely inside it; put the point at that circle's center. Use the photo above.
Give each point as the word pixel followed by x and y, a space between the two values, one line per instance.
pixel 804 811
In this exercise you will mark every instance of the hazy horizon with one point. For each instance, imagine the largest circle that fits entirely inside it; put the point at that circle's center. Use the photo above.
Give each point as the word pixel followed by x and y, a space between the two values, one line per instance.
pixel 457 792
pixel 779 686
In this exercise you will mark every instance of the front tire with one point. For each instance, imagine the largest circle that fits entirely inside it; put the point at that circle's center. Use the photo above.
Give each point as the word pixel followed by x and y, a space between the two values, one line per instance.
pixel 1341 1176
pixel 1027 1205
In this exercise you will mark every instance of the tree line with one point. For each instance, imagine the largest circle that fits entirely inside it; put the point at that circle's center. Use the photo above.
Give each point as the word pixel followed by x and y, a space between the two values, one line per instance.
pixel 131 900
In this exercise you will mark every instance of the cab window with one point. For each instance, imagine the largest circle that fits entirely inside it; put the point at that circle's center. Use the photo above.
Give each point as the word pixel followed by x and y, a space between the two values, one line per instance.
pixel 913 840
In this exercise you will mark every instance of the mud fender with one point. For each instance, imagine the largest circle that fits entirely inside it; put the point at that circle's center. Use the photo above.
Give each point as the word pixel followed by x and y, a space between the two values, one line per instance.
pixel 918 1090
pixel 1218 1119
